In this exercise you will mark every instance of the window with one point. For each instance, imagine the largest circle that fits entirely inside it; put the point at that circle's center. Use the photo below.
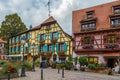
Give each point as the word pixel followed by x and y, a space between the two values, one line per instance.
pixel 115 21
pixel 111 38
pixel 48 26
pixel 61 47
pixel 116 9
pixel 41 48
pixel 42 37
pixel 50 48
pixel 92 59
pixel 88 25
pixel 90 14
pixel 54 35
pixel 87 40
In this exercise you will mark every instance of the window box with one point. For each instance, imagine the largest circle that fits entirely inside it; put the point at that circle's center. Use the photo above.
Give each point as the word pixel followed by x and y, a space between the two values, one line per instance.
pixel 89 46
pixel 111 45
pixel 61 53
pixel 42 41
pixel 54 40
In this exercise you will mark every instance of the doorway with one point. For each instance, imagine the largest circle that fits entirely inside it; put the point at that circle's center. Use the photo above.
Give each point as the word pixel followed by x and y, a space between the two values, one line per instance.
pixel 111 63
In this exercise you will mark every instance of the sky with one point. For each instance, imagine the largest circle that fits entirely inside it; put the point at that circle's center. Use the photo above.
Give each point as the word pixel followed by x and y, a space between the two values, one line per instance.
pixel 34 12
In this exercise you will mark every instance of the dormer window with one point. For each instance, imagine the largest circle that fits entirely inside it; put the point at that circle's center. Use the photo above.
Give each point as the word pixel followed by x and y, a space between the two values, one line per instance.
pixel 90 14
pixel 48 26
pixel 116 9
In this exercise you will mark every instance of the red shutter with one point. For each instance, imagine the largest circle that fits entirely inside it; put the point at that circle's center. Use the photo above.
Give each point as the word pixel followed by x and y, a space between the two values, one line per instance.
pixel 82 41
pixel 92 40
pixel 117 38
pixel 104 39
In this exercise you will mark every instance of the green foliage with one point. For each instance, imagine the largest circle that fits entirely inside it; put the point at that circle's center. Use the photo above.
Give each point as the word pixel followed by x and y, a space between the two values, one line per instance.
pixel 2 62
pixel 28 64
pixel 37 62
pixel 60 65
pixel 75 60
pixel 11 26
pixel 68 64
pixel 91 66
pixel 70 58
pixel 83 60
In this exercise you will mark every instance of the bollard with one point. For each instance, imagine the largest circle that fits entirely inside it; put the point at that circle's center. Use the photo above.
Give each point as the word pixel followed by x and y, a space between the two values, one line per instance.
pixel 58 70
pixel 62 72
pixel 8 75
pixel 41 74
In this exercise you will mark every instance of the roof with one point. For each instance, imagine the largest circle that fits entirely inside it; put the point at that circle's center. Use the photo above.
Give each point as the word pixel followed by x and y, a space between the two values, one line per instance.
pixel 49 20
pixel 1 41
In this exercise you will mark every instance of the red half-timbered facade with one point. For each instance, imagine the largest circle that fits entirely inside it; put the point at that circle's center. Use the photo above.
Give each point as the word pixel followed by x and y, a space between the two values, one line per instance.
pixel 96 33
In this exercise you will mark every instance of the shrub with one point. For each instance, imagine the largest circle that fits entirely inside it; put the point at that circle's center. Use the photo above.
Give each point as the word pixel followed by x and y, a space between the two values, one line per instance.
pixel 2 62
pixel 83 61
pixel 91 66
pixel 68 64
pixel 28 65
pixel 37 62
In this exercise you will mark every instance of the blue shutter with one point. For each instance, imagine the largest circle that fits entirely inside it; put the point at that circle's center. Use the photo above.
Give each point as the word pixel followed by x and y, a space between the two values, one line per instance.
pixel 29 35
pixel 16 49
pixel 51 36
pixel 39 37
pixel 13 49
pixel 52 47
pixel 65 47
pixel 38 49
pixel 44 36
pixel 28 47
pixel 45 48
pixel 57 35
pixel 20 48
pixel 12 40
pixel 57 47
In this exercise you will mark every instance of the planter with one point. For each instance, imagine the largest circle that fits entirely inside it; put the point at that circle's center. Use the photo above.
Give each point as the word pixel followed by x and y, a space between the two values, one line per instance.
pixel 54 40
pixel 111 46
pixel 12 75
pixel 89 46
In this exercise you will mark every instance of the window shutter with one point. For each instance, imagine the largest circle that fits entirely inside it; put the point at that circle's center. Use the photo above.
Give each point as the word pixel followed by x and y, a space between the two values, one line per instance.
pixel 20 38
pixel 38 48
pixel 28 47
pixel 65 47
pixel 16 48
pixel 29 35
pixel 13 50
pixel 51 36
pixel 57 35
pixel 44 36
pixel 20 48
pixel 57 47
pixel 104 39
pixel 45 48
pixel 12 40
pixel 117 38
pixel 92 40
pixel 52 47
pixel 82 41
pixel 39 37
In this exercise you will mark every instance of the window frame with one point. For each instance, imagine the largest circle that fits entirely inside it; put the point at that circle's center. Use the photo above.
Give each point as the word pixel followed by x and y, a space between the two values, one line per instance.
pixel 61 46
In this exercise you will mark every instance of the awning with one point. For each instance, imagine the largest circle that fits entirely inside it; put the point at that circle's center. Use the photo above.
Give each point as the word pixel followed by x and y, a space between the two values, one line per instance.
pixel 111 55
pixel 15 56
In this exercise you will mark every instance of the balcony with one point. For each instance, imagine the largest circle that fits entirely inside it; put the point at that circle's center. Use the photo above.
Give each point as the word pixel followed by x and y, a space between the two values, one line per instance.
pixel 87 46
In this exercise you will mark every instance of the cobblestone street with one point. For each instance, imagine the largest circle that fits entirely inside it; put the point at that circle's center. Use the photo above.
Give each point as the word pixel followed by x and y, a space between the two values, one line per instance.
pixel 51 74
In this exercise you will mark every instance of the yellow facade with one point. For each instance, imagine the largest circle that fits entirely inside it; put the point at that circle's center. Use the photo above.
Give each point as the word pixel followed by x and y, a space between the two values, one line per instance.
pixel 49 39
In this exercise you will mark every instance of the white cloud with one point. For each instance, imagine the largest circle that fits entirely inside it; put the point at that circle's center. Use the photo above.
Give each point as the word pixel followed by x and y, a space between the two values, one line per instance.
pixel 33 12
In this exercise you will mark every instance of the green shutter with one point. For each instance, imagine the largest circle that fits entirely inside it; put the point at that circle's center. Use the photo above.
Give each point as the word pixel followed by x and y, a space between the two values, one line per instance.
pixel 29 35
pixel 38 48
pixel 28 47
pixel 39 37
pixel 44 36
pixel 20 48
pixel 65 47
pixel 57 35
pixel 16 48
pixel 45 48
pixel 52 47
pixel 57 47
pixel 51 36
pixel 20 38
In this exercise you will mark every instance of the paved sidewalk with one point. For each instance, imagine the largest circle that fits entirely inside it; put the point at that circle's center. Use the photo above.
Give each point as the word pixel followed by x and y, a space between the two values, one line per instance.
pixel 51 74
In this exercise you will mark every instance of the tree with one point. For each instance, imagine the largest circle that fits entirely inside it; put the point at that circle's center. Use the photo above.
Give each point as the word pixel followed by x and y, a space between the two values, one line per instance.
pixel 11 26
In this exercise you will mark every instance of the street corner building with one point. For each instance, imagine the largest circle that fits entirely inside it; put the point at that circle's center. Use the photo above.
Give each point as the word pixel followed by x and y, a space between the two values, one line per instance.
pixel 51 43
pixel 96 33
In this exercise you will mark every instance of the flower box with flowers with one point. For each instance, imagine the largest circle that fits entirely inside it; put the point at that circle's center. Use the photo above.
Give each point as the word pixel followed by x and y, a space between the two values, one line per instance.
pixel 89 46
pixel 54 40
pixel 42 41
pixel 61 53
pixel 111 46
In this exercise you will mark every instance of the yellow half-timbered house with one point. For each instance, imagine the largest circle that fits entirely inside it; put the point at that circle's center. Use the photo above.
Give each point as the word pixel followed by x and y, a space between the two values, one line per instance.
pixel 51 42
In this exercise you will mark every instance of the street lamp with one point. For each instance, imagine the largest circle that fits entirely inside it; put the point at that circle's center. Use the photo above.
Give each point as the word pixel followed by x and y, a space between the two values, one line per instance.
pixel 33 66
pixel 23 67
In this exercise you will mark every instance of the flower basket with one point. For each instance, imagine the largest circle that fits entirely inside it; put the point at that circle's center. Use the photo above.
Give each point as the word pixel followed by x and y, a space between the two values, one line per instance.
pixel 54 40
pixel 42 41
pixel 89 46
pixel 61 53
